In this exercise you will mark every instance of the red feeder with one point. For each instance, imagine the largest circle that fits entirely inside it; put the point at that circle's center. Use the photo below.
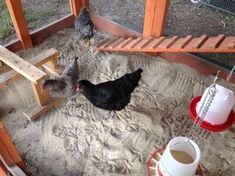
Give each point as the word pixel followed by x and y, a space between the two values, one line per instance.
pixel 205 125
pixel 153 171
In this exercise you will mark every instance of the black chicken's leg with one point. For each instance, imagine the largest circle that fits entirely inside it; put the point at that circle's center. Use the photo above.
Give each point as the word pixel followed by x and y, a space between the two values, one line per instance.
pixel 110 114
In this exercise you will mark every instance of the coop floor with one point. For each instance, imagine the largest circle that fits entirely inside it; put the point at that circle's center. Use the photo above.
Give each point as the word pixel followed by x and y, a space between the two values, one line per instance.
pixel 78 139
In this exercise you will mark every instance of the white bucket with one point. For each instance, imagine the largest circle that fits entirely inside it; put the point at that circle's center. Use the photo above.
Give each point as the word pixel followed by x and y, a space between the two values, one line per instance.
pixel 169 166
pixel 220 107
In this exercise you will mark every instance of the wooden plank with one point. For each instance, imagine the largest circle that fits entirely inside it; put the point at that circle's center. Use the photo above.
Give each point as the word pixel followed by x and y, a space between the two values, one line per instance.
pixel 13 169
pixel 182 42
pixel 76 5
pixel 133 43
pixel 197 42
pixel 107 43
pixel 39 35
pixel 42 97
pixel 228 43
pixel 114 28
pixel 124 43
pixel 20 65
pixel 163 45
pixel 5 154
pixel 143 43
pixel 85 3
pixel 117 42
pixel 149 17
pixel 155 17
pixel 35 111
pixel 213 42
pixel 155 43
pixel 18 20
pixel 11 149
pixel 38 61
pixel 168 42
pixel 3 170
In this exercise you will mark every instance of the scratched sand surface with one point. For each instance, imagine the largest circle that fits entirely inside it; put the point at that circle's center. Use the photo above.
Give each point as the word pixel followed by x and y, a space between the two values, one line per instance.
pixel 75 138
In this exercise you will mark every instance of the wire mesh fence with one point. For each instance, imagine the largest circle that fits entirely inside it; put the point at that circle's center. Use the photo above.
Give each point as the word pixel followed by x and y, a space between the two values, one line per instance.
pixel 227 6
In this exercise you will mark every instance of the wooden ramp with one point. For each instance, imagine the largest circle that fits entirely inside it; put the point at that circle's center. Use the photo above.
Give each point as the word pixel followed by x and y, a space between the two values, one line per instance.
pixel 201 44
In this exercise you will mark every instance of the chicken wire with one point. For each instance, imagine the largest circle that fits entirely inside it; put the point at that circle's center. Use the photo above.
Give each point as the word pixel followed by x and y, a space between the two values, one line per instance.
pixel 227 6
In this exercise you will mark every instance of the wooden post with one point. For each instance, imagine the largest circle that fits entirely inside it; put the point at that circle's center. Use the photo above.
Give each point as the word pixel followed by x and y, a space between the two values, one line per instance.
pixel 3 170
pixel 76 5
pixel 42 97
pixel 5 140
pixel 18 19
pixel 155 16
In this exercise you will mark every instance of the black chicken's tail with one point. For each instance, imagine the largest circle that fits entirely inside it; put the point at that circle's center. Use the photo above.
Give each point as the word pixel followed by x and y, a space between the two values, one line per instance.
pixel 132 79
pixel 139 71
pixel 136 75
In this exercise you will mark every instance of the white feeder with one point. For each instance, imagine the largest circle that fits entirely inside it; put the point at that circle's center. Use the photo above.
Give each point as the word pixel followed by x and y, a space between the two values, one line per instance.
pixel 220 107
pixel 170 165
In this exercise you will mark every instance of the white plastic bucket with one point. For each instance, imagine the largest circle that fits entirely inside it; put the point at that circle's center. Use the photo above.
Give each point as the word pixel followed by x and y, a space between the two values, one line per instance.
pixel 169 166
pixel 220 107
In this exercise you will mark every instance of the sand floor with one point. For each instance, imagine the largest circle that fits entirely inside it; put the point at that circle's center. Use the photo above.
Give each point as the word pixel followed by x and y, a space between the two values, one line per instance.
pixel 75 139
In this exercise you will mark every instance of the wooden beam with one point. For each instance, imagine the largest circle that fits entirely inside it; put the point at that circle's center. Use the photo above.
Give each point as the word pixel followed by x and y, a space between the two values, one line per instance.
pixel 42 97
pixel 155 17
pixel 20 65
pixel 34 111
pixel 3 170
pixel 76 5
pixel 168 44
pixel 113 28
pixel 18 20
pixel 197 63
pixel 11 149
pixel 85 3
pixel 38 61
pixel 41 34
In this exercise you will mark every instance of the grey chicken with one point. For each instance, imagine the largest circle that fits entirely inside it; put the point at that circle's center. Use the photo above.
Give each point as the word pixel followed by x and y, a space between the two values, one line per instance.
pixel 111 95
pixel 84 24
pixel 65 84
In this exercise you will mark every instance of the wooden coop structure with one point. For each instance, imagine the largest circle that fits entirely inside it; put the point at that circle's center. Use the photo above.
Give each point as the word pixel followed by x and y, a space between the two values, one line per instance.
pixel 152 41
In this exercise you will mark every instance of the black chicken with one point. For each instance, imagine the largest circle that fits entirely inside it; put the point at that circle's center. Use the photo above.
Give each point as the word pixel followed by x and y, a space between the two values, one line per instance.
pixel 84 24
pixel 65 85
pixel 111 95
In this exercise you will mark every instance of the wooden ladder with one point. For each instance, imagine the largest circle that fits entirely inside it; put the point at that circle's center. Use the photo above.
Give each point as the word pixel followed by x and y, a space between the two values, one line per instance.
pixel 221 43
pixel 29 70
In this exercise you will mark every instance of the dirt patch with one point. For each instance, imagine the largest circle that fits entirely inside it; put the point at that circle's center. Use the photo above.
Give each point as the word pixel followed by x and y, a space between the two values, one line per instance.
pixel 76 138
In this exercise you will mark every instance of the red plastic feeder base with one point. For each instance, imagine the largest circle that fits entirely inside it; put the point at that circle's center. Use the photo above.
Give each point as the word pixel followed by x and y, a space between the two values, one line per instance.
pixel 206 125
pixel 152 164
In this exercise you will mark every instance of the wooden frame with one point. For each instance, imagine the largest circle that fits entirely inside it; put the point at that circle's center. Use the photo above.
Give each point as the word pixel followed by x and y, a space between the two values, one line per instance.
pixel 152 25
pixel 18 20
pixel 34 75
pixel 162 44
pixel 76 5
pixel 155 17
pixel 9 151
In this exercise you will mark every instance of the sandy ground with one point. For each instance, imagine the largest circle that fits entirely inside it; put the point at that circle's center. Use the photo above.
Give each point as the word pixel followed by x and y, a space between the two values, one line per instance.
pixel 75 139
